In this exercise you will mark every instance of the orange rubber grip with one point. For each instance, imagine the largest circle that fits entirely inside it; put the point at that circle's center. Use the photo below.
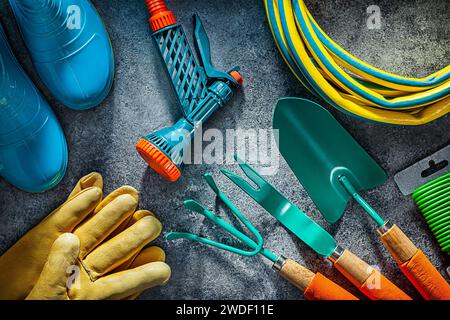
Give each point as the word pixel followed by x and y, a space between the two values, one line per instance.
pixel 378 287
pixel 425 278
pixel 322 288
pixel 368 279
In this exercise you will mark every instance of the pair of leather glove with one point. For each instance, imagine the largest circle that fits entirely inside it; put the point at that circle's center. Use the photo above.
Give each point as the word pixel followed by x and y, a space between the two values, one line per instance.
pixel 88 248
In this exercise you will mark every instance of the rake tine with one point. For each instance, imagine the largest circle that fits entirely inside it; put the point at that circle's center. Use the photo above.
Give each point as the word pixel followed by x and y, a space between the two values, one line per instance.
pixel 251 173
pixel 197 207
pixel 194 237
pixel 179 235
pixel 210 180
pixel 194 206
pixel 241 183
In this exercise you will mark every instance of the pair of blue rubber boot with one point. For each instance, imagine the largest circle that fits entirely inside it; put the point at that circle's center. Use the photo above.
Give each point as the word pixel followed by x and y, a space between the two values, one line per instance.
pixel 72 54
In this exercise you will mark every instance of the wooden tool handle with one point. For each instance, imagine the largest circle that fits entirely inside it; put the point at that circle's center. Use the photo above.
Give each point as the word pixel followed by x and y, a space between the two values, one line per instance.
pixel 415 265
pixel 314 286
pixel 398 244
pixel 368 279
pixel 296 274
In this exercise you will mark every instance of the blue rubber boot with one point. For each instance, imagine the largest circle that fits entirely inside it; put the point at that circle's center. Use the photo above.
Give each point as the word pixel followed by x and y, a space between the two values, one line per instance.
pixel 70 49
pixel 33 150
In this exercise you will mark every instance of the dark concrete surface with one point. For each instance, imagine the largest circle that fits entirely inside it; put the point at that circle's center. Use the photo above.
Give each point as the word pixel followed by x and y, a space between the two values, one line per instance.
pixel 413 40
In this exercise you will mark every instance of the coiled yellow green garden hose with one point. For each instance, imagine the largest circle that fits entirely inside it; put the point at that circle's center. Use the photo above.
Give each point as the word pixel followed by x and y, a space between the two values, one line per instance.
pixel 348 83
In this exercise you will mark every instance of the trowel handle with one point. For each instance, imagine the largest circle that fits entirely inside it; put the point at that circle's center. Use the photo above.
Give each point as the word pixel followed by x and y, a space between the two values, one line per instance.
pixel 414 264
pixel 315 286
pixel 366 278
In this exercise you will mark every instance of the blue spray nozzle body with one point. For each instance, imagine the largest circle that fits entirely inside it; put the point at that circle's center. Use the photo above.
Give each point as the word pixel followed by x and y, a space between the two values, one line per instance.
pixel 200 90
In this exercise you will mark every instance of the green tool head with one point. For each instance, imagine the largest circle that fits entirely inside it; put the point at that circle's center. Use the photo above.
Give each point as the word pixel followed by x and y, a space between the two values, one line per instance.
pixel 283 210
pixel 320 151
pixel 256 246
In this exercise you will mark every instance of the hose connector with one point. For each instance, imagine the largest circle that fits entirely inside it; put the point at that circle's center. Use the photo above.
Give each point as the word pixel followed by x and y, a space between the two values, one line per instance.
pixel 160 17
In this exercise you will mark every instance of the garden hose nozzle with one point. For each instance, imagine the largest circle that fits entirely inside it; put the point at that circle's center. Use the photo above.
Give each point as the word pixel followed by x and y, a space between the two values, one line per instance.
pixel 200 89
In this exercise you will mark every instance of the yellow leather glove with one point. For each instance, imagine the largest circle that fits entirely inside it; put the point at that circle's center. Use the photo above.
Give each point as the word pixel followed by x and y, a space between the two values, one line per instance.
pixel 98 252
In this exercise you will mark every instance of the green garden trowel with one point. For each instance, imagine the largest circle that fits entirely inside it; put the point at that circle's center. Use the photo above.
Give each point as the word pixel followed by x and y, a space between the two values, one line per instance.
pixel 326 159
pixel 333 167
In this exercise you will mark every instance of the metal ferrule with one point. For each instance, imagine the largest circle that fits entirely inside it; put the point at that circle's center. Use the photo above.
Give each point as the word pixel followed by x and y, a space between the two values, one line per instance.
pixel 279 263
pixel 337 253
pixel 385 227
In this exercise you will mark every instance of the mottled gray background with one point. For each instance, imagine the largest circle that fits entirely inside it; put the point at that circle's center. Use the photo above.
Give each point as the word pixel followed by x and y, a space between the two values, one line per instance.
pixel 414 40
